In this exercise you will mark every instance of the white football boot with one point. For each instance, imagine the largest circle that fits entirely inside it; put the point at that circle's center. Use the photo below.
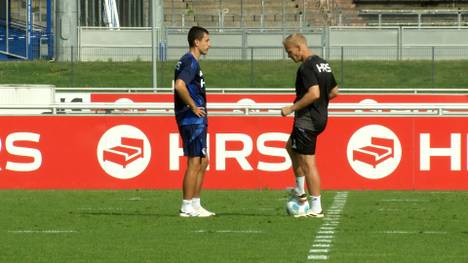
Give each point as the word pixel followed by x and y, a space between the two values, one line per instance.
pixel 202 212
pixel 188 213
pixel 310 213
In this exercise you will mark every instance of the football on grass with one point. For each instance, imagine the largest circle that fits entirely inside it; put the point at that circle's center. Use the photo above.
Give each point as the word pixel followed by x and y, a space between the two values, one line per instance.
pixel 295 207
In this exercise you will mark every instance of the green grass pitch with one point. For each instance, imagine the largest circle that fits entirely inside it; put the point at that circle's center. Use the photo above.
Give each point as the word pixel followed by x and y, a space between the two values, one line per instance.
pixel 241 74
pixel 251 226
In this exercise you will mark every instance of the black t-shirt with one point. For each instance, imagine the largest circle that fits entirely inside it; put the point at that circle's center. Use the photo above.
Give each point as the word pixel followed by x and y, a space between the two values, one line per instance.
pixel 314 71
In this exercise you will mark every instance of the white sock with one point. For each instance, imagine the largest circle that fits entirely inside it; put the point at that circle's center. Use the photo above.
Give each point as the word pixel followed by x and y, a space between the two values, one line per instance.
pixel 196 202
pixel 315 204
pixel 300 185
pixel 186 205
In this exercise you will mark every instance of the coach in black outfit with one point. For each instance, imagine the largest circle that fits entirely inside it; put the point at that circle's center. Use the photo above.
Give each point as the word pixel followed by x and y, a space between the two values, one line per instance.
pixel 315 86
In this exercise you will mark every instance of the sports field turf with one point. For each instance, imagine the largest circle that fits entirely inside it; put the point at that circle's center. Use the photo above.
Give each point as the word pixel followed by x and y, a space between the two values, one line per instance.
pixel 241 74
pixel 251 226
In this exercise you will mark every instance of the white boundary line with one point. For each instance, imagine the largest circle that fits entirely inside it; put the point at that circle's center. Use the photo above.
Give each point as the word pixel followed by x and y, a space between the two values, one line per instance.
pixel 413 232
pixel 230 231
pixel 50 231
pixel 324 239
pixel 405 200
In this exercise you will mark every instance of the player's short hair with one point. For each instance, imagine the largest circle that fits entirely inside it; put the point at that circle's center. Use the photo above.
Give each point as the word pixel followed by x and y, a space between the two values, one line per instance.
pixel 295 39
pixel 196 33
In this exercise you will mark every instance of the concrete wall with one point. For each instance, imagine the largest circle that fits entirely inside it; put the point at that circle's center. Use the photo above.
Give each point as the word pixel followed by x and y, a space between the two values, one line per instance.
pixel 66 30
pixel 332 43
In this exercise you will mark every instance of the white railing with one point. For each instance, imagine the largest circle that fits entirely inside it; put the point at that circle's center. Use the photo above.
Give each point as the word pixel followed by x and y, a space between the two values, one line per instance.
pixel 263 90
pixel 234 109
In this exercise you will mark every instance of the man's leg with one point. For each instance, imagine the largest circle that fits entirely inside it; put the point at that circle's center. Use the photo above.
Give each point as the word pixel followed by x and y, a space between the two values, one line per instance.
pixel 198 187
pixel 298 172
pixel 190 177
pixel 189 186
pixel 200 176
pixel 309 166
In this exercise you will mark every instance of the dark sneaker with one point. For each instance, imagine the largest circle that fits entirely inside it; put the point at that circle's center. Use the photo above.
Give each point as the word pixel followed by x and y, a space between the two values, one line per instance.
pixel 300 197
pixel 192 213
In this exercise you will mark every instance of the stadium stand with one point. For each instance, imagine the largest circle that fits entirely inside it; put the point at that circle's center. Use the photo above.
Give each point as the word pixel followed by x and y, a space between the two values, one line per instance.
pixel 13 31
pixel 414 12
pixel 304 13
pixel 257 13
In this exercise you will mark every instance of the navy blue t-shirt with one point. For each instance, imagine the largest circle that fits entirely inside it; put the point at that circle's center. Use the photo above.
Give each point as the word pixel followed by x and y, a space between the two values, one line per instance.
pixel 188 70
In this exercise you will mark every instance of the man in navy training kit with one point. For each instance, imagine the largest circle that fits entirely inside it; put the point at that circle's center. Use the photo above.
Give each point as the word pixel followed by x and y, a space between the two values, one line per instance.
pixel 192 121
pixel 315 86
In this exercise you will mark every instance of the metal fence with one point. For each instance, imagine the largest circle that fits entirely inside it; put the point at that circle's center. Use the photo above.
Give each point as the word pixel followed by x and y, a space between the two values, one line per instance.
pixel 358 43
pixel 426 67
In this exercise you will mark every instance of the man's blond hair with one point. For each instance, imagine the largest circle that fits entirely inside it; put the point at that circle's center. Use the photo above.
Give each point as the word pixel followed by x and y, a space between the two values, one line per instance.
pixel 295 39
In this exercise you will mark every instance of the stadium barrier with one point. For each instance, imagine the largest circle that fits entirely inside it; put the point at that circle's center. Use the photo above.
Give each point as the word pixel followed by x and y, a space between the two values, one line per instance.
pixel 211 90
pixel 106 145
pixel 255 109
pixel 132 141
pixel 22 94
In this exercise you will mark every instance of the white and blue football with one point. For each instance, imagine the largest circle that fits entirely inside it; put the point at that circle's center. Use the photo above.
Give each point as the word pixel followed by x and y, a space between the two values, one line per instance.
pixel 295 207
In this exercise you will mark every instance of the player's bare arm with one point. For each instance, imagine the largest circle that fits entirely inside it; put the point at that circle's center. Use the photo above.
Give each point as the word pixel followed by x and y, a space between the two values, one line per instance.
pixel 312 94
pixel 181 89
pixel 333 92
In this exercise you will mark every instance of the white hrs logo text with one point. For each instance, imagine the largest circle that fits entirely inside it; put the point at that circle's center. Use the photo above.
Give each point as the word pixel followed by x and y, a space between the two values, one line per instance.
pixel 18 145
pixel 249 147
pixel 443 148
pixel 323 67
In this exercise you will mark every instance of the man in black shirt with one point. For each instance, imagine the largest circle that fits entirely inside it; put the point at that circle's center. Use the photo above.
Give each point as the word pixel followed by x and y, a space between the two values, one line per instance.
pixel 315 86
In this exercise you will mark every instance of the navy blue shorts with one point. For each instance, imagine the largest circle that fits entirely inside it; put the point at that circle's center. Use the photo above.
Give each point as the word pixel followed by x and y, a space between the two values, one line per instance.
pixel 304 141
pixel 194 139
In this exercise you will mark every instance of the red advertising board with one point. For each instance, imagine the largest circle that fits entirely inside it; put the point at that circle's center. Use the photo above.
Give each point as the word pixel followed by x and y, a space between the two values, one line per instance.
pixel 246 152
pixel 280 98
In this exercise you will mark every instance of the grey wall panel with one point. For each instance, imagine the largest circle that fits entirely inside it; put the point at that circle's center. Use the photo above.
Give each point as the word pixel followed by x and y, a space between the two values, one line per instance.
pixel 334 43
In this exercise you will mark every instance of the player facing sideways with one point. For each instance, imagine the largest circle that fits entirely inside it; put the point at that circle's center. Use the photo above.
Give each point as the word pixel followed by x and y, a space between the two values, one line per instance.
pixel 315 86
pixel 192 121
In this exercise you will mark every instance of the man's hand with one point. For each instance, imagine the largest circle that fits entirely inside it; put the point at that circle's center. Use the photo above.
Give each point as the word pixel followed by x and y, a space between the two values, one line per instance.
pixel 199 111
pixel 285 111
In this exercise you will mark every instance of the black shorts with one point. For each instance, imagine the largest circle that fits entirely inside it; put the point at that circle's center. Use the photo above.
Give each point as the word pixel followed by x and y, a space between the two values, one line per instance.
pixel 194 140
pixel 303 141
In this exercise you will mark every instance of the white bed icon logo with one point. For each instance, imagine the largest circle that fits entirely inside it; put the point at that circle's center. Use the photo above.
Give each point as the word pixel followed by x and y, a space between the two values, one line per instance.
pixel 124 152
pixel 374 151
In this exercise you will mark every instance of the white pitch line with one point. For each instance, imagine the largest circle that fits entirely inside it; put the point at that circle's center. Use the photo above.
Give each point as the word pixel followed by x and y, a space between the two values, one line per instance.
pixel 331 221
pixel 317 240
pixel 405 200
pixel 333 216
pixel 229 231
pixel 334 212
pixel 413 232
pixel 41 231
pixel 319 250
pixel 100 208
pixel 324 239
pixel 321 245
pixel 317 257
pixel 388 209
pixel 326 232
